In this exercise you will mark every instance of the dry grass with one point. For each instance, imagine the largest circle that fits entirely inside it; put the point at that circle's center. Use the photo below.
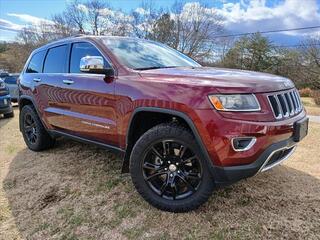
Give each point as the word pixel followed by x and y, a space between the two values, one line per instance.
pixel 311 107
pixel 75 191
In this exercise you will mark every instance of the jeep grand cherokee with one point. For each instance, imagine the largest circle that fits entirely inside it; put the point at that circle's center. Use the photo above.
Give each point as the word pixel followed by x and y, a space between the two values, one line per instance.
pixel 182 129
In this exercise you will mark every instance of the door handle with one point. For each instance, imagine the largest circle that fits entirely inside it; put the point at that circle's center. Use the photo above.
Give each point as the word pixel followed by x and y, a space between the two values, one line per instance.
pixel 37 79
pixel 67 81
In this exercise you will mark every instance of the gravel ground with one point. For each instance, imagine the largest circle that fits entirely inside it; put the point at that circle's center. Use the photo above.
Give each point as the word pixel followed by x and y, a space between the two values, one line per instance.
pixel 76 191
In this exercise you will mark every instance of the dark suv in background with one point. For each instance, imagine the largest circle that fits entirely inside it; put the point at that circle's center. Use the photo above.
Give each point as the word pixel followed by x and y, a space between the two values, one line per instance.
pixel 5 101
pixel 182 129
pixel 12 85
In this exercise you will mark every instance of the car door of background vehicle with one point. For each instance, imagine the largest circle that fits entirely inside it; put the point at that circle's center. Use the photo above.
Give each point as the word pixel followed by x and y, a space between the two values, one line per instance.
pixel 86 101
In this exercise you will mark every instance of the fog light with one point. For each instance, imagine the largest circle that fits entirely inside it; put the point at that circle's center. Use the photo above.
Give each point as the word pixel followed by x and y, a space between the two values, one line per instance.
pixel 241 144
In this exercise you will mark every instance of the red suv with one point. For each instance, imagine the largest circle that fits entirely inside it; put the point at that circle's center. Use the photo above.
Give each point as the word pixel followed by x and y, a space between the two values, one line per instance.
pixel 183 129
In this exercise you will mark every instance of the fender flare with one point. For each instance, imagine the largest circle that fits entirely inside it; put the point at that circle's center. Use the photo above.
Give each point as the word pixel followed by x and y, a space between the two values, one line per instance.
pixel 182 115
pixel 29 98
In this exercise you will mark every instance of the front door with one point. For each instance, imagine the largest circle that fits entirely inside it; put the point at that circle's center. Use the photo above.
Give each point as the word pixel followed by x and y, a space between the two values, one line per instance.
pixel 84 103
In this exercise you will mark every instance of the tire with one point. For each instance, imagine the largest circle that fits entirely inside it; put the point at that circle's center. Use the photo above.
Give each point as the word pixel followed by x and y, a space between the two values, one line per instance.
pixel 9 115
pixel 35 135
pixel 170 179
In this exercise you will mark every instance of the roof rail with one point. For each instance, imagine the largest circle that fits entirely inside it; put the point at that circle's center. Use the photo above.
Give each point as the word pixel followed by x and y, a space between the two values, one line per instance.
pixel 78 35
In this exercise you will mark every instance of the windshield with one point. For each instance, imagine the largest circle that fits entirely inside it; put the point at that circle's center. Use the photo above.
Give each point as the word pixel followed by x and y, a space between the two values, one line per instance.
pixel 141 54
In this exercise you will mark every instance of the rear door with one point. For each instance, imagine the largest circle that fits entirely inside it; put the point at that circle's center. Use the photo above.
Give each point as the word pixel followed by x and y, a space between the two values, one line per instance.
pixel 50 87
pixel 30 82
pixel 86 104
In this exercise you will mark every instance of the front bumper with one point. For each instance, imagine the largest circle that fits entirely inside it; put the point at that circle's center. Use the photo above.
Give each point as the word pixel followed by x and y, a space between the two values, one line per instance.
pixel 217 134
pixel 272 156
pixel 5 108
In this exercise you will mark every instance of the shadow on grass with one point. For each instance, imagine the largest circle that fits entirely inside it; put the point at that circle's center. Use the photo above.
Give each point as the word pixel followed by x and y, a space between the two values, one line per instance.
pixel 76 191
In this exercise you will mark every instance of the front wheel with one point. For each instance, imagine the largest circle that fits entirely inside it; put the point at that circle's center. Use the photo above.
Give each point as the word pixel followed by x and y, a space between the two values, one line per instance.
pixel 168 169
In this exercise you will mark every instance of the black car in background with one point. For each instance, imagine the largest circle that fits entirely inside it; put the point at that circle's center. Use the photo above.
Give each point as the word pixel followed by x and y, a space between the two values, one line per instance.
pixel 11 83
pixel 5 101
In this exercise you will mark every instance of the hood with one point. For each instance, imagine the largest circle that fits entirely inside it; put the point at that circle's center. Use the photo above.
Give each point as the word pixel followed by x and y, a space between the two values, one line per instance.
pixel 222 79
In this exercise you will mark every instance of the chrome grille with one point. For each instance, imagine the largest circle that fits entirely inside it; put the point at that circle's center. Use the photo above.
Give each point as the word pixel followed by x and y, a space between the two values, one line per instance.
pixel 285 104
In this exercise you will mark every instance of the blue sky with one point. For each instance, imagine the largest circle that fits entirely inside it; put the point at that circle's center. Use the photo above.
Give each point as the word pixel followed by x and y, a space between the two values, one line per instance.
pixel 240 16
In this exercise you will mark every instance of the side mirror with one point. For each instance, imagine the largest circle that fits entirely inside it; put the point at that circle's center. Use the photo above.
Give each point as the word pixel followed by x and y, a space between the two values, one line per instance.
pixel 95 64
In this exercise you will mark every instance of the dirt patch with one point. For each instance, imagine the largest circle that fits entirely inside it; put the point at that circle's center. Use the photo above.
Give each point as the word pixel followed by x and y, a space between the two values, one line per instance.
pixel 76 191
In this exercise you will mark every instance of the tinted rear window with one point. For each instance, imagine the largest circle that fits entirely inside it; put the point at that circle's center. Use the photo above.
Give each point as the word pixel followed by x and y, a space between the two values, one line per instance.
pixel 80 50
pixel 35 64
pixel 56 60
pixel 11 80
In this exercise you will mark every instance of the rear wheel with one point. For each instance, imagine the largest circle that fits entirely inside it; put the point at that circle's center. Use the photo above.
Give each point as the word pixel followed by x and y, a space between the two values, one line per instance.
pixel 35 135
pixel 168 169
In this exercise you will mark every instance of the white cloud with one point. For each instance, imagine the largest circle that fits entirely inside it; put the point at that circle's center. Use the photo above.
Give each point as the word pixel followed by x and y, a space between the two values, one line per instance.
pixel 7 25
pixel 141 11
pixel 256 15
pixel 30 19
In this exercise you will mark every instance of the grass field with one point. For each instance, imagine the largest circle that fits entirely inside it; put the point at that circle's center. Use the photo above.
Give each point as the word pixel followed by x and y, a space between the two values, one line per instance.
pixel 76 191
pixel 311 107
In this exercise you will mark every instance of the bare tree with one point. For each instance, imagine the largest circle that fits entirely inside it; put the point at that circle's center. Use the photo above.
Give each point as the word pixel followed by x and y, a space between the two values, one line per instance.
pixel 195 28
pixel 62 26
pixel 75 16
pixel 144 18
pixel 95 15
pixel 162 30
pixel 310 50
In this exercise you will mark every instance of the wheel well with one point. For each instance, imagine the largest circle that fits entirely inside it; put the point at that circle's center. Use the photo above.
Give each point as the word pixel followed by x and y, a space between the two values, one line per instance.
pixel 141 123
pixel 23 102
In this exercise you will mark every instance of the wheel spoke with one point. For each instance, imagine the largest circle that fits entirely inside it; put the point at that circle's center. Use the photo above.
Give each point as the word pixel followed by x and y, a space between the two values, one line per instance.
pixel 164 186
pixel 186 182
pixel 28 128
pixel 194 176
pixel 166 148
pixel 182 151
pixel 174 191
pixel 150 166
pixel 154 150
pixel 155 175
pixel 189 159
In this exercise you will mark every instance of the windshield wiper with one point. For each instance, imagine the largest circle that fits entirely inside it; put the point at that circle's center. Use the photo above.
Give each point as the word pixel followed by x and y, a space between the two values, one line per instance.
pixel 149 68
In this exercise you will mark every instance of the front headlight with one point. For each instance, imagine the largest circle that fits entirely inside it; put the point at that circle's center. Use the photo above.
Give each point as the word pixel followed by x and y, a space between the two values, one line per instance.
pixel 2 84
pixel 235 102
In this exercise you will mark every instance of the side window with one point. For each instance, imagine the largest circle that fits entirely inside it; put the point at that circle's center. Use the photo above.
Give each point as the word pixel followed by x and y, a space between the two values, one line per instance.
pixel 11 80
pixel 56 60
pixel 80 50
pixel 35 64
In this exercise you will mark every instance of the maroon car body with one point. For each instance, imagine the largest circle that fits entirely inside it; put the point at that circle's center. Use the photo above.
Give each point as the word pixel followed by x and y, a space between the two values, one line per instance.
pixel 104 110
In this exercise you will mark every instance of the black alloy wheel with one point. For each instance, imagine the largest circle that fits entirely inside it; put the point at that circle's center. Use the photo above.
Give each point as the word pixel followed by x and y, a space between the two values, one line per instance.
pixel 34 133
pixel 30 128
pixel 172 170
pixel 169 170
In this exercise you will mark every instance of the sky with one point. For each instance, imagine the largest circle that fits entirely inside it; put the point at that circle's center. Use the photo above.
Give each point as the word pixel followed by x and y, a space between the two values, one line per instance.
pixel 239 16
